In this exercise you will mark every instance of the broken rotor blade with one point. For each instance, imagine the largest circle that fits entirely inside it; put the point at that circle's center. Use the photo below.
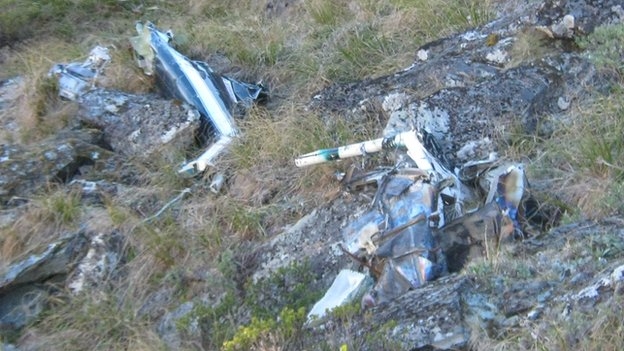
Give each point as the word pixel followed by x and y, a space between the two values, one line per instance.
pixel 189 82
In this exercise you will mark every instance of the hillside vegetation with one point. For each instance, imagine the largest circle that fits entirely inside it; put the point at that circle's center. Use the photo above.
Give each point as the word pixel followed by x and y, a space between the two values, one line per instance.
pixel 296 48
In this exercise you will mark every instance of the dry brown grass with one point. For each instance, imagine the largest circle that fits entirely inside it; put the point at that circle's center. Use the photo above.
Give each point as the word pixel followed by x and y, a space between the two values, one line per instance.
pixel 529 45
pixel 311 45
pixel 39 112
pixel 45 219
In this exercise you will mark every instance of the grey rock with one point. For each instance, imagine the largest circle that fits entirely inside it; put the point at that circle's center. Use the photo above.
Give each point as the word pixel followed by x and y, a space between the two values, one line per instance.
pixel 80 261
pixel 480 96
pixel 138 125
pixel 26 170
pixel 20 307
pixel 23 290
pixel 429 317
pixel 58 259
pixel 168 330
pixel 587 14
pixel 94 192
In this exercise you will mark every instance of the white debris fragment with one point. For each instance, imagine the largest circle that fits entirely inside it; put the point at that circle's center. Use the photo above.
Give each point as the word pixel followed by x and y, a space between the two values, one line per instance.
pixel 88 187
pixel 98 56
pixel 422 55
pixel 217 182
pixel 76 78
pixel 344 288
pixel 565 28
pixel 497 56
pixel 364 239
pixel 563 103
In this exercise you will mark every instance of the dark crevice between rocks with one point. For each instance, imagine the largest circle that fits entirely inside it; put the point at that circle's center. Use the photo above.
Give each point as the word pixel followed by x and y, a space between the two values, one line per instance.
pixel 67 173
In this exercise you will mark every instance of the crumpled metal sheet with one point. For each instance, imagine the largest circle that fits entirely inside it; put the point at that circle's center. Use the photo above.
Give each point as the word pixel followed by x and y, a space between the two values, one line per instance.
pixel 386 232
pixel 347 284
pixel 78 77
pixel 403 238
pixel 197 84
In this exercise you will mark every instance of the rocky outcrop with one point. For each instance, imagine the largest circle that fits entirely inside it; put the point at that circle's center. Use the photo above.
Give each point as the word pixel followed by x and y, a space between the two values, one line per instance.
pixel 464 93
pixel 442 314
pixel 23 290
pixel 468 90
pixel 79 262
pixel 26 170
pixel 138 125
pixel 108 123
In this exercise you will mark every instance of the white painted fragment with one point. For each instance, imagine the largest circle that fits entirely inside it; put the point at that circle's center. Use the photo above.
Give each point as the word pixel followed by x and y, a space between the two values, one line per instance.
pixel 342 290
pixel 497 56
pixel 563 102
pixel 87 186
pixel 364 239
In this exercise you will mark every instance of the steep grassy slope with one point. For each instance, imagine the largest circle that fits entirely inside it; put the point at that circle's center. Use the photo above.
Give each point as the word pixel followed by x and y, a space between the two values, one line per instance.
pixel 296 48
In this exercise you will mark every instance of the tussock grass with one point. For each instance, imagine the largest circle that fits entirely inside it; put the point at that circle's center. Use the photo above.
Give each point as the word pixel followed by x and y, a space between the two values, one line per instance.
pixel 46 218
pixel 39 112
pixel 529 45
pixel 109 318
pixel 582 160
pixel 585 155
pixel 319 42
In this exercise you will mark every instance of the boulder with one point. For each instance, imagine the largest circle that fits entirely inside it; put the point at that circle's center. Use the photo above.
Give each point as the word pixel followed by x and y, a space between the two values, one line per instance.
pixel 139 125
pixel 58 159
